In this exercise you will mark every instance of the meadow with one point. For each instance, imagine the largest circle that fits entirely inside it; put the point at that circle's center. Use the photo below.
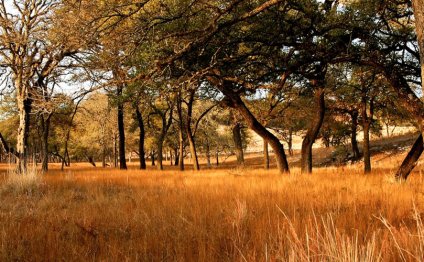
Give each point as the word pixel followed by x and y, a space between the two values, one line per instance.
pixel 218 214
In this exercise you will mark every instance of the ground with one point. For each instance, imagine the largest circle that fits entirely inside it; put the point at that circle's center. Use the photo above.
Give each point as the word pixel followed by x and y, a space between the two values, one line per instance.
pixel 218 214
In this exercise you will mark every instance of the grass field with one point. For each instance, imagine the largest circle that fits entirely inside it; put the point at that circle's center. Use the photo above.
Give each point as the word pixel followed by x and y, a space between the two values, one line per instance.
pixel 226 214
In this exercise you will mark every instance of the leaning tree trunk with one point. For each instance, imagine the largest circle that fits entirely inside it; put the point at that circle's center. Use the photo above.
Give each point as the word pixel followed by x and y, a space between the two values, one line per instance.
pixel 312 134
pixel 238 143
pixel 121 130
pixel 193 150
pixel 24 106
pixel 266 155
pixel 408 98
pixel 414 154
pixel 353 139
pixel 237 103
pixel 141 136
pixel 411 159
pixel 190 135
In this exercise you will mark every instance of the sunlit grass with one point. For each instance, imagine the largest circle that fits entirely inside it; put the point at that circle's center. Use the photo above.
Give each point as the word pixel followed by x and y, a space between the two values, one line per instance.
pixel 337 214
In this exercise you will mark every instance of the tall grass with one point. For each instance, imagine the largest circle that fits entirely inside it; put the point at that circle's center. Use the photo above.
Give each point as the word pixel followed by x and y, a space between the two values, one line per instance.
pixel 337 214
pixel 26 183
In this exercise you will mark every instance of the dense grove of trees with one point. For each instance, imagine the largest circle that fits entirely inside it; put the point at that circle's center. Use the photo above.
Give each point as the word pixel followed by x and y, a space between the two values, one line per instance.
pixel 95 80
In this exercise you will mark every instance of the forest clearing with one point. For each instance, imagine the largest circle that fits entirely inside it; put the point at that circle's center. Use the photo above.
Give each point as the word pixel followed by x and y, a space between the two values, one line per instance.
pixel 225 214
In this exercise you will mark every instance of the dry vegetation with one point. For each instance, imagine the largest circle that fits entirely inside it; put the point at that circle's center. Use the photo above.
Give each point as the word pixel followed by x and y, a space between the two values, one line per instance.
pixel 337 214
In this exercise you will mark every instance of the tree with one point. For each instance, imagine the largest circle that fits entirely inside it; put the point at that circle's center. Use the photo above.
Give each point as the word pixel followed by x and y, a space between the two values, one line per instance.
pixel 30 55
pixel 418 6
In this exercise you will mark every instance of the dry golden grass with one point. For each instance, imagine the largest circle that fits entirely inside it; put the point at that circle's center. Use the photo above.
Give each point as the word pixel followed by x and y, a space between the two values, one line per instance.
pixel 336 214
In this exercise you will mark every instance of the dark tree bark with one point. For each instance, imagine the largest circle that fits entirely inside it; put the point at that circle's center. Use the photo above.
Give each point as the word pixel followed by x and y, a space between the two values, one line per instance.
pixel 367 113
pixel 406 97
pixel 326 140
pixel 166 123
pixel 66 159
pixel 45 128
pixel 141 136
pixel 366 146
pixel 238 142
pixel 115 152
pixel 180 160
pixel 152 158
pixel 190 135
pixel 176 160
pixel 411 160
pixel 208 153
pixel 266 155
pixel 5 146
pixel 353 137
pixel 160 153
pixel 91 160
pixel 121 129
pixel 104 155
pixel 313 131
pixel 237 103
pixel 217 158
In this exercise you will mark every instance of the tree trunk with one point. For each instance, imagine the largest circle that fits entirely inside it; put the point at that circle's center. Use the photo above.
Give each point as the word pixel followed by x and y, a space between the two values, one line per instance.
pixel 237 103
pixel 121 130
pixel 176 160
pixel 367 155
pixel 217 157
pixel 45 141
pixel 407 99
pixel 152 157
pixel 66 157
pixel 160 153
pixel 180 160
pixel 115 152
pixel 141 136
pixel 353 138
pixel 24 106
pixel 104 155
pixel 290 142
pixel 418 6
pixel 312 134
pixel 411 159
pixel 367 114
pixel 91 161
pixel 190 135
pixel 193 150
pixel 415 106
pixel 238 143
pixel 266 155
pixel 208 153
